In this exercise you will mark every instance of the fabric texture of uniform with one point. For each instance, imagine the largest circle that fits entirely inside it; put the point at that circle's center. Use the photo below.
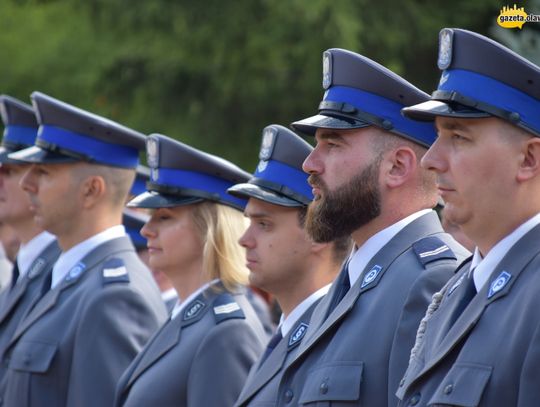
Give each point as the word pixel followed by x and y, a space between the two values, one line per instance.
pixel 358 353
pixel 200 358
pixel 455 365
pixel 262 383
pixel 15 301
pixel 74 344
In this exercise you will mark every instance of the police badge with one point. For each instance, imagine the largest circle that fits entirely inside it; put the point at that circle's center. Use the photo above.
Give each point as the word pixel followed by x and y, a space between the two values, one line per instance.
pixel 268 142
pixel 152 152
pixel 327 70
pixel 446 37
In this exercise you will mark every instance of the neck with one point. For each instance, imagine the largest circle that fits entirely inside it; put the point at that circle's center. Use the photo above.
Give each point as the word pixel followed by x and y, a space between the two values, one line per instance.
pixel 26 231
pixel 321 273
pixel 88 226
pixel 188 279
pixel 383 221
pixel 497 232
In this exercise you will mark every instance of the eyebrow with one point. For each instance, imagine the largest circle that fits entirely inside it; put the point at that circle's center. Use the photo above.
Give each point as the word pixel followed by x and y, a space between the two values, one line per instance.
pixel 330 135
pixel 453 125
pixel 257 215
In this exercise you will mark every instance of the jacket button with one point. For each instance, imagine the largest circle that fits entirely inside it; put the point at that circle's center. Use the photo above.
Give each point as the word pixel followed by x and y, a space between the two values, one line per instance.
pixel 324 388
pixel 289 396
pixel 414 399
pixel 448 389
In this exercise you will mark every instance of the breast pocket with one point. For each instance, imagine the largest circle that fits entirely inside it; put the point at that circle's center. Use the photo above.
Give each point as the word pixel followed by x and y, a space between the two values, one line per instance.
pixel 463 386
pixel 33 357
pixel 333 384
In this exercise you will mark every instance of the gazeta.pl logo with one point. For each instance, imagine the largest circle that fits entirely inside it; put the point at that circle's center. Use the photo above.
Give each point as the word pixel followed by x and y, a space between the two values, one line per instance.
pixel 515 17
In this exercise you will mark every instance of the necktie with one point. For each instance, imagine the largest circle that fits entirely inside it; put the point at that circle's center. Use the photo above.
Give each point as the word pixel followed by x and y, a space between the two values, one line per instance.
pixel 341 290
pixel 271 345
pixel 14 274
pixel 467 290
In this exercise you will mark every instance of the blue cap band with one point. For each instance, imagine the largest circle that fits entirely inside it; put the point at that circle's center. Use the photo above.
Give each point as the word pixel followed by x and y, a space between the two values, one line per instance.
pixel 384 108
pixel 196 181
pixel 139 186
pixel 94 149
pixel 493 92
pixel 136 237
pixel 17 134
pixel 283 174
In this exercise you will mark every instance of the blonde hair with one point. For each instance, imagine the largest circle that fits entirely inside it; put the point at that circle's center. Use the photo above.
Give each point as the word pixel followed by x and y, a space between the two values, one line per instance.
pixel 220 227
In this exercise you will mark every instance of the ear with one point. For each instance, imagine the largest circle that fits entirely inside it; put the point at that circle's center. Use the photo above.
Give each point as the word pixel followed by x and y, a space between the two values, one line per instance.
pixel 318 247
pixel 399 165
pixel 92 190
pixel 529 165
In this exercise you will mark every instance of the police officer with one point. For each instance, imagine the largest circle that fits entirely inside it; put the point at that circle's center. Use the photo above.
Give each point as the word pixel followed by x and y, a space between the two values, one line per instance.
pixel 368 183
pixel 134 219
pixel 479 344
pixel 102 304
pixel 202 355
pixel 39 249
pixel 283 260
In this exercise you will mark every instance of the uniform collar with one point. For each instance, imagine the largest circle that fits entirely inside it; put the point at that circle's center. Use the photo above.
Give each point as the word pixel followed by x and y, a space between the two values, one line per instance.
pixel 286 324
pixel 181 304
pixel 69 259
pixel 30 251
pixel 483 266
pixel 361 257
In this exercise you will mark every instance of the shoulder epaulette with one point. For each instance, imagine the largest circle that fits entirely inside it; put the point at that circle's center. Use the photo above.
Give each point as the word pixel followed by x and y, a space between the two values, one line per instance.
pixel 432 248
pixel 115 271
pixel 225 307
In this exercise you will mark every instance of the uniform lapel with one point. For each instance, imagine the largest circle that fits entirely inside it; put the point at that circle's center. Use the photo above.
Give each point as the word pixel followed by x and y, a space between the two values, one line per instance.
pixel 371 276
pixel 43 305
pixel 512 264
pixel 169 336
pixel 12 297
pixel 262 373
pixel 42 264
pixel 163 342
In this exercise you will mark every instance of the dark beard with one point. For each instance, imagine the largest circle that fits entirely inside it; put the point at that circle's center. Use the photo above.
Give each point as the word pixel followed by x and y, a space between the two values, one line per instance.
pixel 337 214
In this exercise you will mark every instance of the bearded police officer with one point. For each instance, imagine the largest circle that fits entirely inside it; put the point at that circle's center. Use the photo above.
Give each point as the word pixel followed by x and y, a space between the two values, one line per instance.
pixel 368 183
pixel 479 344
pixel 102 304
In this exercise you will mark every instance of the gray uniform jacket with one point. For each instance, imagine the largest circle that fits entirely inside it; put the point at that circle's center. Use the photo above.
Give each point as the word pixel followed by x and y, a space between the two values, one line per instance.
pixel 74 344
pixel 6 268
pixel 200 358
pixel 262 383
pixel 490 356
pixel 14 302
pixel 356 353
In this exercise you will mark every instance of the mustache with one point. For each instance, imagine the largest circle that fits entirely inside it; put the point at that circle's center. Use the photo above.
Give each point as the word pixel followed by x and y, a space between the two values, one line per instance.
pixel 315 181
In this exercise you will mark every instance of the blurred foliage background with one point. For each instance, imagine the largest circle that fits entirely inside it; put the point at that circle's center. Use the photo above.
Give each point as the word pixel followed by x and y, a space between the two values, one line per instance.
pixel 214 73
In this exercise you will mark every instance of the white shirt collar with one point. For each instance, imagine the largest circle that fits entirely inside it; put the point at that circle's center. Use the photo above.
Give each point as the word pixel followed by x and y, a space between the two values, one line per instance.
pixel 180 305
pixel 169 294
pixel 483 267
pixel 287 324
pixel 361 257
pixel 69 259
pixel 31 250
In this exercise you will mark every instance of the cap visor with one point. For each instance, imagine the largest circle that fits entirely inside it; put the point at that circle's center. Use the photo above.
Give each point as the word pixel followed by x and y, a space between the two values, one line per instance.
pixel 4 159
pixel 427 111
pixel 247 191
pixel 311 124
pixel 37 155
pixel 153 200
